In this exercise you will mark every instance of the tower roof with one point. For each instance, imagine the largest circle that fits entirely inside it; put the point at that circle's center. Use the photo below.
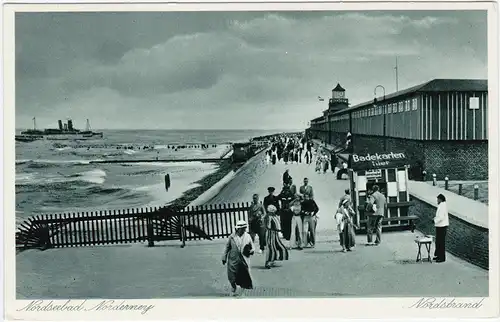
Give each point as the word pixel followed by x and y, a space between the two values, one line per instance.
pixel 338 88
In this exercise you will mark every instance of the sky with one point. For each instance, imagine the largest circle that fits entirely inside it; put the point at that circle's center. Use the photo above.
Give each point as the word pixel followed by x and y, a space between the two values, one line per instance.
pixel 229 70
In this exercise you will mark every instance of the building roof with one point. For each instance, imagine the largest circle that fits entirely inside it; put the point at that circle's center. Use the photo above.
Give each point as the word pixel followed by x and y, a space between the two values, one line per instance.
pixel 338 88
pixel 435 85
pixel 317 119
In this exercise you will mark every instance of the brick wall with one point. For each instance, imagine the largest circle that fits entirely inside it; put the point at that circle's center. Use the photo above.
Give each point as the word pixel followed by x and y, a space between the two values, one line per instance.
pixel 459 160
pixel 337 139
pixel 463 239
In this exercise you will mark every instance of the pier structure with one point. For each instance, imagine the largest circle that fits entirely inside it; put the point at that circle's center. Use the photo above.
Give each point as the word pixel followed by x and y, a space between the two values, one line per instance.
pixel 169 271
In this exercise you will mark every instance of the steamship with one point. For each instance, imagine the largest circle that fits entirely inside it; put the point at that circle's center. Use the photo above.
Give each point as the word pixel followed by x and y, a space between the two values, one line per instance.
pixel 64 132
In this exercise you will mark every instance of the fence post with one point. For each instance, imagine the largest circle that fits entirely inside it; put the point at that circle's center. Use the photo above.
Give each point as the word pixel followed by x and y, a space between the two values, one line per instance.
pixel 434 181
pixel 424 175
pixel 460 187
pixel 183 231
pixel 151 241
pixel 45 237
pixel 446 183
pixel 476 192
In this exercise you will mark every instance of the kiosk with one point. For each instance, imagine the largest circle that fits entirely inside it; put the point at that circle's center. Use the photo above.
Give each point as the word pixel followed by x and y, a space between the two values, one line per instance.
pixel 388 170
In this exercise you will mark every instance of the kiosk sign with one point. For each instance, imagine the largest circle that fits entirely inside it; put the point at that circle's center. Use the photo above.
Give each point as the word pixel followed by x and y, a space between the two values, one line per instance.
pixel 373 174
pixel 377 160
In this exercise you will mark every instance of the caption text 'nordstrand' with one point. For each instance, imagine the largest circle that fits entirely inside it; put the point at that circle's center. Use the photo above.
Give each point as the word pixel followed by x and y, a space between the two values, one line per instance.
pixel 436 303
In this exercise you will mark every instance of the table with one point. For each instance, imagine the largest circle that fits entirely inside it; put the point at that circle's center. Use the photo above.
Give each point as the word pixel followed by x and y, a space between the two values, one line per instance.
pixel 427 242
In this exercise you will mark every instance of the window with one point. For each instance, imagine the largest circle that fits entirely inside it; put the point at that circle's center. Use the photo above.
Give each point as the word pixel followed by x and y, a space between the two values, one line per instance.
pixel 400 107
pixel 394 108
pixel 407 107
pixel 415 102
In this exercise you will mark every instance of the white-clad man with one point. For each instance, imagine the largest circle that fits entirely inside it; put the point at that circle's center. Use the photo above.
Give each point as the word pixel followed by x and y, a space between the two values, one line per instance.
pixel 441 222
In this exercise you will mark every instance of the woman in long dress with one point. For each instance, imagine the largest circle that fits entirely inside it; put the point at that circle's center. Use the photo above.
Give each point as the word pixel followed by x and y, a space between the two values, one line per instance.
pixel 318 162
pixel 347 236
pixel 325 163
pixel 237 254
pixel 276 251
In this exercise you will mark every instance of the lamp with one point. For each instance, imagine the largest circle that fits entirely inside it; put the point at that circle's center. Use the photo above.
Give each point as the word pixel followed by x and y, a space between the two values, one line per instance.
pixel 383 111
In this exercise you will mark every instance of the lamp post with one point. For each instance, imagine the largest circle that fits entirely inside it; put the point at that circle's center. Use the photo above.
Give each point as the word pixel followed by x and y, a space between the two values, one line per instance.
pixel 383 112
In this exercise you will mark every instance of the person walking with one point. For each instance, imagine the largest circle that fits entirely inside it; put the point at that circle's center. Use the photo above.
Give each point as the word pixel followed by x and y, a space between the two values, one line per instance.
pixel 333 162
pixel 380 207
pixel 296 230
pixel 268 157
pixel 318 162
pixel 237 252
pixel 347 196
pixel 286 196
pixel 286 177
pixel 325 163
pixel 441 223
pixel 306 189
pixel 256 217
pixel 309 212
pixel 347 236
pixel 371 220
pixel 339 218
pixel 271 199
pixel 342 171
pixel 276 251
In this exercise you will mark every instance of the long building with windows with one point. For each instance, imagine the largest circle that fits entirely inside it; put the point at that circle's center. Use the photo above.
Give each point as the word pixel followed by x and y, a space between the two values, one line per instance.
pixel 442 125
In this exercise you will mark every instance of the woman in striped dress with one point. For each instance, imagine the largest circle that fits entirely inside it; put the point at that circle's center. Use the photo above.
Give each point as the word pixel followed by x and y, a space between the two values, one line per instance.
pixel 276 251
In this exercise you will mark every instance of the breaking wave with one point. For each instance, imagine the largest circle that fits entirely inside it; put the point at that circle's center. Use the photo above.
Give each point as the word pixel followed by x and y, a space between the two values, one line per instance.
pixel 37 164
pixel 96 176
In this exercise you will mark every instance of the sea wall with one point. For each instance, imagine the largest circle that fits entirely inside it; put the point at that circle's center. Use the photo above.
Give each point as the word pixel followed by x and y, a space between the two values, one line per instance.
pixel 467 235
pixel 213 191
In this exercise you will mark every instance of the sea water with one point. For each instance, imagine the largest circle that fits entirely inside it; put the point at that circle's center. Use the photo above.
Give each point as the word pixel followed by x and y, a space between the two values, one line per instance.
pixel 58 176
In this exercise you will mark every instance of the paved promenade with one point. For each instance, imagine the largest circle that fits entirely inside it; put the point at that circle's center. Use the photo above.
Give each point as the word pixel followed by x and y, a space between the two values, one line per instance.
pixel 166 271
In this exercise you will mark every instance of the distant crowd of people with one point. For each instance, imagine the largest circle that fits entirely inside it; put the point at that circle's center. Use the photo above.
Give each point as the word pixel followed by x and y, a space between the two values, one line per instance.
pixel 297 149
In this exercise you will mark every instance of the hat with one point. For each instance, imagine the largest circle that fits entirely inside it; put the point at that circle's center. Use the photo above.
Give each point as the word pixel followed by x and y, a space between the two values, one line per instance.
pixel 270 189
pixel 345 201
pixel 241 224
pixel 271 208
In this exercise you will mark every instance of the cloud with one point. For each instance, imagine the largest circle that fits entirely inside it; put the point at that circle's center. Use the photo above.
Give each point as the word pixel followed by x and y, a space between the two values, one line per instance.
pixel 236 71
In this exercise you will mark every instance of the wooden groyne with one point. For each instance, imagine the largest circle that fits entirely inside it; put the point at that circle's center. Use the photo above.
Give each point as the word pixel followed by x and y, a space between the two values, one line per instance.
pixel 157 160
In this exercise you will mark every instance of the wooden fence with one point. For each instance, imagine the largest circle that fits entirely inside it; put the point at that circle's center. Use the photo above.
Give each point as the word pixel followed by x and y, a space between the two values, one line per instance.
pixel 130 226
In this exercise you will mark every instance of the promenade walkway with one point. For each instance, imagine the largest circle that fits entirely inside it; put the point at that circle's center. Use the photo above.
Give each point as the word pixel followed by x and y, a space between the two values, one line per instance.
pixel 167 271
